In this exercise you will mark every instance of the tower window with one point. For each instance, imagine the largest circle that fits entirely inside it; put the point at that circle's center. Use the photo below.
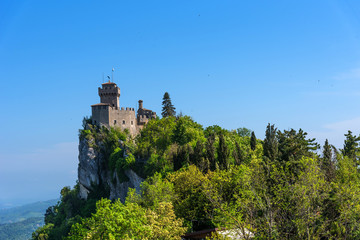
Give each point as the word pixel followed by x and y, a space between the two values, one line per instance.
pixel 132 123
pixel 114 121
pixel 123 121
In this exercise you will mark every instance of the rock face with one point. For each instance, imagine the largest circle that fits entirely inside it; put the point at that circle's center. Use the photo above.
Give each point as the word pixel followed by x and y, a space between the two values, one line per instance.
pixel 92 171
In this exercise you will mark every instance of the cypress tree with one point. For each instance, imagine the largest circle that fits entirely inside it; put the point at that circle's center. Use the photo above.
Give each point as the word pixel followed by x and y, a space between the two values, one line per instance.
pixel 182 157
pixel 223 153
pixel 270 145
pixel 236 157
pixel 253 141
pixel 327 163
pixel 238 154
pixel 168 109
pixel 327 153
pixel 210 152
pixel 197 155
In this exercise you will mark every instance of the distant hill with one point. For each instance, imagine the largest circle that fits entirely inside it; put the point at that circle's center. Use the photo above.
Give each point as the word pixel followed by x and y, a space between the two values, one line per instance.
pixel 18 223
pixel 33 210
pixel 20 230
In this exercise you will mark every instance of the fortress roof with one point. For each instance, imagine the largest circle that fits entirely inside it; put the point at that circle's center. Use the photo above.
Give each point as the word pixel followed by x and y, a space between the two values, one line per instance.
pixel 108 83
pixel 101 104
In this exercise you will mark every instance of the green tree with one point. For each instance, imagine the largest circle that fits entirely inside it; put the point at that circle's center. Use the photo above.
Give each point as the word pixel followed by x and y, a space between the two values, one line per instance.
pixel 129 221
pixel 198 157
pixel 155 137
pixel 155 190
pixel 157 163
pixel 43 232
pixel 327 163
pixel 292 147
pixel 182 157
pixel 187 131
pixel 238 154
pixel 210 152
pixel 223 153
pixel 253 141
pixel 164 223
pixel 270 145
pixel 243 132
pixel 346 196
pixel 168 109
pixel 232 199
pixel 190 202
pixel 214 130
pixel 351 146
pixel 308 195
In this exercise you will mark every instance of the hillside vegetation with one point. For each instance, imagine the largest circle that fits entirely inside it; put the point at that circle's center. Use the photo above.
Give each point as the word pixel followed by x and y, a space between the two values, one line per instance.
pixel 196 178
pixel 20 222
pixel 16 214
pixel 20 230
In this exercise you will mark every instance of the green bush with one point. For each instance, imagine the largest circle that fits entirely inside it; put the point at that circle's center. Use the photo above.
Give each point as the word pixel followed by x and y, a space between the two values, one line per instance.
pixel 114 157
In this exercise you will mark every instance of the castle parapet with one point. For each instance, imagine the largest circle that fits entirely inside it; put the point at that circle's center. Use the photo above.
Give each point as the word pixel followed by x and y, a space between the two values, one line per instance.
pixel 109 113
pixel 128 109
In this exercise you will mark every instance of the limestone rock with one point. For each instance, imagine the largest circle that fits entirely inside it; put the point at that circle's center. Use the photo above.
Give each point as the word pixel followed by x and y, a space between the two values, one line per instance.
pixel 92 171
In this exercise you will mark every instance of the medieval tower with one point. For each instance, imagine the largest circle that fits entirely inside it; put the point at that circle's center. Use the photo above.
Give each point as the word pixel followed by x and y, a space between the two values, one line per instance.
pixel 109 114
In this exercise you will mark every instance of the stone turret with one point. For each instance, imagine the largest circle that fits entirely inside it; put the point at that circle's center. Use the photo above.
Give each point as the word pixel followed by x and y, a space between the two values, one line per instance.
pixel 110 93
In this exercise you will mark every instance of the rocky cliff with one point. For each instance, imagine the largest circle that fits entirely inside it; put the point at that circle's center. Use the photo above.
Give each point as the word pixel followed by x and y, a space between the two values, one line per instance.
pixel 94 172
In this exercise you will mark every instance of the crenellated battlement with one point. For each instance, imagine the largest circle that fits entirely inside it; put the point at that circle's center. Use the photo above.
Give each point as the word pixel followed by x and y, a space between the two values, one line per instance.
pixel 109 93
pixel 127 109
pixel 109 113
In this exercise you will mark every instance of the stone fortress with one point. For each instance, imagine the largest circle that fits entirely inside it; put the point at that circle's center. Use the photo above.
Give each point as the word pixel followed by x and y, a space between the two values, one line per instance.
pixel 109 114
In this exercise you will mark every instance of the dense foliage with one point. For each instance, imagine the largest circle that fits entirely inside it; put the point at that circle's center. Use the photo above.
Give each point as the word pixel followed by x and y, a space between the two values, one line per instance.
pixel 196 178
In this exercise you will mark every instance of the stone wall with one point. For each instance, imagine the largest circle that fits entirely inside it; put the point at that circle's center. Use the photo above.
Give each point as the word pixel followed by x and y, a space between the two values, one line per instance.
pixel 123 118
pixel 100 114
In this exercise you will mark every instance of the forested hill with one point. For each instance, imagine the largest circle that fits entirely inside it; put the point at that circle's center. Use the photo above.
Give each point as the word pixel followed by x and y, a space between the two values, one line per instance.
pixel 199 178
pixel 16 214
pixel 20 222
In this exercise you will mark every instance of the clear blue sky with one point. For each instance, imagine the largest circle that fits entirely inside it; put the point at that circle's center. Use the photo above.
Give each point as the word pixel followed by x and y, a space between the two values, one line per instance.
pixel 231 63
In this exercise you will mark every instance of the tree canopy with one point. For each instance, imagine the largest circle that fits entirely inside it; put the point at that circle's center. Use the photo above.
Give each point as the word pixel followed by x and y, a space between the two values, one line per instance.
pixel 195 179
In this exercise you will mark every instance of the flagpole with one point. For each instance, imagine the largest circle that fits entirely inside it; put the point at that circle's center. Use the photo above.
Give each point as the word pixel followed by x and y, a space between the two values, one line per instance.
pixel 112 74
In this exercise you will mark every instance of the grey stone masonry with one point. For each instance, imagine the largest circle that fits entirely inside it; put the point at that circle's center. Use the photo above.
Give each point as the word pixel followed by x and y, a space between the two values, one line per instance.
pixel 109 114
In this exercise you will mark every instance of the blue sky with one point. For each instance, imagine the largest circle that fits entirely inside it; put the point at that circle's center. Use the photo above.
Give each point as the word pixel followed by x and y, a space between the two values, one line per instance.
pixel 231 63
